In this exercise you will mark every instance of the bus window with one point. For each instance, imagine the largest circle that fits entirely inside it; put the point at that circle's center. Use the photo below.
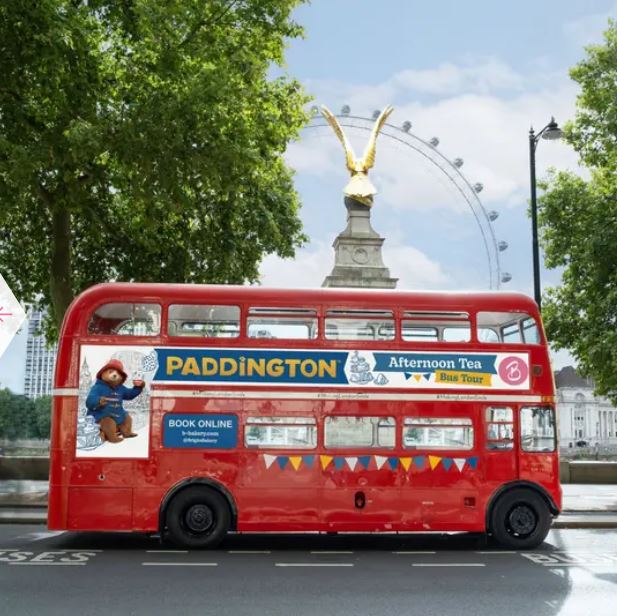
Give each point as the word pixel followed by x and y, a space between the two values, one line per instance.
pixel 438 433
pixel 436 326
pixel 282 432
pixel 508 327
pixel 360 432
pixel 284 323
pixel 537 428
pixel 359 325
pixel 123 319
pixel 203 321
pixel 499 427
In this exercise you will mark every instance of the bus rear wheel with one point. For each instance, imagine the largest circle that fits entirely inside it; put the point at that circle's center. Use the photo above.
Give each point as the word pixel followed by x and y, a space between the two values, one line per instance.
pixel 197 518
pixel 520 520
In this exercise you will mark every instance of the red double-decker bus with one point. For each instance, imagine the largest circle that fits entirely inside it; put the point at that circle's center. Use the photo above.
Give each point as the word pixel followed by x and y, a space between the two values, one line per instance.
pixel 192 411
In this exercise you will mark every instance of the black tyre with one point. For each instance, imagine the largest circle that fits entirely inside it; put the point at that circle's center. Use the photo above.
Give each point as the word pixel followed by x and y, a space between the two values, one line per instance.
pixel 520 519
pixel 197 518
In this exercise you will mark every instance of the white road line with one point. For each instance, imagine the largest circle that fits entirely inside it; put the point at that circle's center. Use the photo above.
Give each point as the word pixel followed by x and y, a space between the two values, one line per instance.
pixel 249 552
pixel 167 551
pixel 448 565
pixel 414 552
pixel 313 564
pixel 50 564
pixel 180 564
pixel 331 552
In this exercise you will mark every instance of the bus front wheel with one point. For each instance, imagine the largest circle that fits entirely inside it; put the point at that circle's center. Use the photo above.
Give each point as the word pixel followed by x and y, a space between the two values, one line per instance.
pixel 520 519
pixel 197 518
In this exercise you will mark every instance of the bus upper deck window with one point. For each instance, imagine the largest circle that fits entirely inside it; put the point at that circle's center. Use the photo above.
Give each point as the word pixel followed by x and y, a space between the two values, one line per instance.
pixel 126 319
pixel 287 323
pixel 508 327
pixel 359 324
pixel 203 321
pixel 431 326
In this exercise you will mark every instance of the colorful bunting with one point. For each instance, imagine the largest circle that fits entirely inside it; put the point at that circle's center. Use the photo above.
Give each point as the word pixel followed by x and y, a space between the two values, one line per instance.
pixel 434 461
pixel 447 463
pixel 365 461
pixel 269 460
pixel 308 461
pixel 405 463
pixel 351 462
pixel 295 461
pixel 325 460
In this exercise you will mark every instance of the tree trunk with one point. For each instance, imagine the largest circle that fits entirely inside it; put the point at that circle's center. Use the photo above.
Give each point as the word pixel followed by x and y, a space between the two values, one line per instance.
pixel 60 282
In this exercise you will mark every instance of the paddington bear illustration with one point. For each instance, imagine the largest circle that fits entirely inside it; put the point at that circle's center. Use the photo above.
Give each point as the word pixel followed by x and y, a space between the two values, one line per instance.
pixel 104 402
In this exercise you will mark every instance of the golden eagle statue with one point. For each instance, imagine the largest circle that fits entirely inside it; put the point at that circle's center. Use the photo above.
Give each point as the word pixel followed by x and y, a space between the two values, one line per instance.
pixel 359 187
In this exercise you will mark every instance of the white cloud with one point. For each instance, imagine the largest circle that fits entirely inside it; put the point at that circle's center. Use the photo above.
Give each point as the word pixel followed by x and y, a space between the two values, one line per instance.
pixel 588 29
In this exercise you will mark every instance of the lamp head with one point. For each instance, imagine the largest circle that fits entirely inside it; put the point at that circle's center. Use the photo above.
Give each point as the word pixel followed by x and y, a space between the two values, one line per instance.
pixel 552 131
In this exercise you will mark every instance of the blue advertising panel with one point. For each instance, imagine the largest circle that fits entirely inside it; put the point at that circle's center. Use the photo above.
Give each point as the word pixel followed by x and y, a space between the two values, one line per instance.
pixel 199 430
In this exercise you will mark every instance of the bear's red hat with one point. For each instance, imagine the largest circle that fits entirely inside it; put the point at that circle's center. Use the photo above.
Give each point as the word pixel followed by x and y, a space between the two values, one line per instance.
pixel 114 364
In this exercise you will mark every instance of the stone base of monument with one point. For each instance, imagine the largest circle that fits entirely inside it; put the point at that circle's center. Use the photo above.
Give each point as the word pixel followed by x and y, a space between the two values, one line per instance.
pixel 358 261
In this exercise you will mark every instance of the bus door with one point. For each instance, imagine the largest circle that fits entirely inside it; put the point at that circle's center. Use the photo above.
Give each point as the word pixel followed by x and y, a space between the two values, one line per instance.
pixel 538 462
pixel 500 457
pixel 361 475
pixel 279 470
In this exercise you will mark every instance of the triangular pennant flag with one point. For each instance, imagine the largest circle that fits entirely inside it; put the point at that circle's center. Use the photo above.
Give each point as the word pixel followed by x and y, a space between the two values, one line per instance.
pixel 408 375
pixel 434 461
pixel 380 461
pixel 405 463
pixel 473 462
pixel 308 461
pixel 447 463
pixel 295 461
pixel 426 376
pixel 364 460
pixel 282 461
pixel 269 460
pixel 419 461
pixel 325 460
pixel 460 462
pixel 417 377
pixel 339 463
pixel 393 462
pixel 352 462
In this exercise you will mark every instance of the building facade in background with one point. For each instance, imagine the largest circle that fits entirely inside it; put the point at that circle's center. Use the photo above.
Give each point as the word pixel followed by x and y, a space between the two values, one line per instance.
pixel 40 359
pixel 583 416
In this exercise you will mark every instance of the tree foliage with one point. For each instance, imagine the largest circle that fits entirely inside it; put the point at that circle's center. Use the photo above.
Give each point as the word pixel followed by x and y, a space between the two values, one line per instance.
pixel 143 140
pixel 578 224
pixel 23 418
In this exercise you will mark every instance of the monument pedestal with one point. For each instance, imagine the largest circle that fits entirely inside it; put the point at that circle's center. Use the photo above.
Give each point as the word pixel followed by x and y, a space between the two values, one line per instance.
pixel 357 253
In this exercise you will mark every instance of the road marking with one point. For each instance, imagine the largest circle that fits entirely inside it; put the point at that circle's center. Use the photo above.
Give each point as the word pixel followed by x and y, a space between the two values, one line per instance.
pixel 180 564
pixel 313 564
pixel 331 552
pixel 414 552
pixel 249 552
pixel 167 551
pixel 34 564
pixel 448 565
pixel 42 535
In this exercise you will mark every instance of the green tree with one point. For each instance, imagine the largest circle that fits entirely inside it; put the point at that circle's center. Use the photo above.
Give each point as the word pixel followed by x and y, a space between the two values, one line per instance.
pixel 143 140
pixel 578 224
pixel 17 418
pixel 42 417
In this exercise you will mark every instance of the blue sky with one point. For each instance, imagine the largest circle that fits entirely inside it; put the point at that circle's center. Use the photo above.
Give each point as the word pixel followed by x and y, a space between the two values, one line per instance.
pixel 474 74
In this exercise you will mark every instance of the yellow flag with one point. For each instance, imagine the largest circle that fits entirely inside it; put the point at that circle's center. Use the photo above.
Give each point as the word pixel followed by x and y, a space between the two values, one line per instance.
pixel 325 460
pixel 295 461
pixel 434 461
pixel 417 377
pixel 405 463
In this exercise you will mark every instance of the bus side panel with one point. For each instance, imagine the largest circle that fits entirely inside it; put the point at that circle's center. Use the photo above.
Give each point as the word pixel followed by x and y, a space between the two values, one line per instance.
pixel 100 508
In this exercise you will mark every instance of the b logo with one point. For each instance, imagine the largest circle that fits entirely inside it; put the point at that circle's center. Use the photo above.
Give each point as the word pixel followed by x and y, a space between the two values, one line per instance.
pixel 513 370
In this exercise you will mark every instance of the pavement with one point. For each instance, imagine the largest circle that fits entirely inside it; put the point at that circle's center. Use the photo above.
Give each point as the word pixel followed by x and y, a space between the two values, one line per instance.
pixel 584 505
pixel 41 572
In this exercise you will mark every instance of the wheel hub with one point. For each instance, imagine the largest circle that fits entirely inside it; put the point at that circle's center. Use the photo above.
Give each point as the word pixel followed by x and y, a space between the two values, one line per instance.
pixel 522 520
pixel 199 518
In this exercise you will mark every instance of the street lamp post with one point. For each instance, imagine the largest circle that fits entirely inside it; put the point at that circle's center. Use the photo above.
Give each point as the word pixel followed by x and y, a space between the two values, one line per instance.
pixel 551 131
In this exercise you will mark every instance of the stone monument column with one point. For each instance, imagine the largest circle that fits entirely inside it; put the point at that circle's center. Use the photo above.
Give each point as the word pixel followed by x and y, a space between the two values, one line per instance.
pixel 357 250
pixel 358 261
